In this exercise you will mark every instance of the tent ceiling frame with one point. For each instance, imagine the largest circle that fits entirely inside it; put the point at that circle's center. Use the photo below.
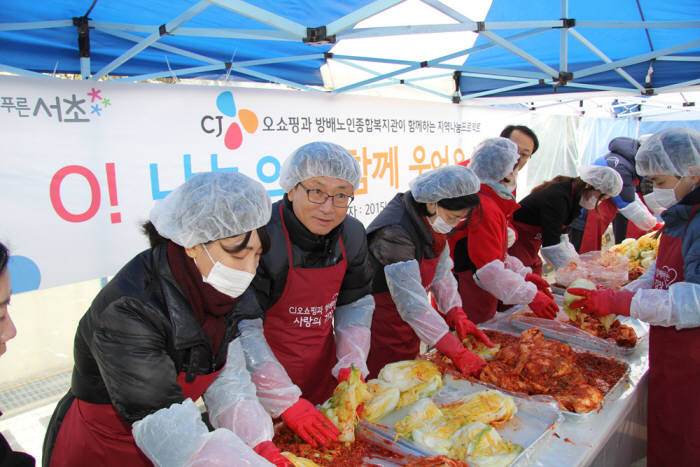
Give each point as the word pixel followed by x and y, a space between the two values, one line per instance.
pixel 284 29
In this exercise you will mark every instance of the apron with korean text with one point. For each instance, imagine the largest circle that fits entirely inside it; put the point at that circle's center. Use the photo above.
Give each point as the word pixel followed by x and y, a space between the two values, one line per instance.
pixel 596 224
pixel 299 326
pixel 95 434
pixel 673 427
pixel 393 339
pixel 527 246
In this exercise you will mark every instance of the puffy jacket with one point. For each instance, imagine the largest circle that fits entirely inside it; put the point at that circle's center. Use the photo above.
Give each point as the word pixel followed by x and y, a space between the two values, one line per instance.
pixel 397 234
pixel 141 328
pixel 552 208
pixel 312 251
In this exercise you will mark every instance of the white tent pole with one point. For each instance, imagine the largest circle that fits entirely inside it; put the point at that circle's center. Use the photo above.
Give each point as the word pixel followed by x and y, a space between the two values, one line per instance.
pixel 456 15
pixel 637 58
pixel 678 58
pixel 499 90
pixel 189 13
pixel 165 47
pixel 264 16
pixel 564 39
pixel 23 72
pixel 501 72
pixel 61 23
pixel 579 37
pixel 678 85
pixel 639 24
pixel 358 15
pixel 520 53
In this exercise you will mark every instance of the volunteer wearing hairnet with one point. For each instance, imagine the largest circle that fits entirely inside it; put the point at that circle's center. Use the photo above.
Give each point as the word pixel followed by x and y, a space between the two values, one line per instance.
pixel 485 272
pixel 548 210
pixel 588 228
pixel 163 332
pixel 314 285
pixel 410 257
pixel 667 296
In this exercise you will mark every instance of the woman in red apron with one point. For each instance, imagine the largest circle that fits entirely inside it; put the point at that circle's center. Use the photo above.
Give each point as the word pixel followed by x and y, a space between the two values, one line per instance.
pixel 409 255
pixel 162 333
pixel 668 297
pixel 314 286
pixel 484 271
pixel 546 212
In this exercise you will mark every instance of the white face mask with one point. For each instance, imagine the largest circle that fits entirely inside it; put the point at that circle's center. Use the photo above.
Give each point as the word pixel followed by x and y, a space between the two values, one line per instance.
pixel 588 202
pixel 661 198
pixel 228 281
pixel 440 226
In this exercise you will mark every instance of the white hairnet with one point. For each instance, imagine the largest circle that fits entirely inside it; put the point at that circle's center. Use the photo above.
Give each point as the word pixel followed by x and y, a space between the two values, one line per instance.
pixel 211 206
pixel 602 178
pixel 451 181
pixel 319 159
pixel 493 159
pixel 670 152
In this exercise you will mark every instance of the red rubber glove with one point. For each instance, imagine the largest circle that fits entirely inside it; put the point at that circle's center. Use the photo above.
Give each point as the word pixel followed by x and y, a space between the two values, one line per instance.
pixel 658 226
pixel 540 282
pixel 603 302
pixel 457 320
pixel 306 421
pixel 269 451
pixel 469 363
pixel 343 375
pixel 543 306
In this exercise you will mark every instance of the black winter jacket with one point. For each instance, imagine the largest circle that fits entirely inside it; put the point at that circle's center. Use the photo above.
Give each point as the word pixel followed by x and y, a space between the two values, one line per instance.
pixel 312 251
pixel 137 336
pixel 398 233
pixel 552 208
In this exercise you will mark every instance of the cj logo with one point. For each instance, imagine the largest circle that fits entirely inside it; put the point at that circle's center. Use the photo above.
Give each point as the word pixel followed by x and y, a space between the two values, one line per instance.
pixel 664 277
pixel 227 106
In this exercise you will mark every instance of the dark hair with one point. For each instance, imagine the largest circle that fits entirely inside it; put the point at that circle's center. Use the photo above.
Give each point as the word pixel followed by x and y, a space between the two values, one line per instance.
pixel 523 129
pixel 4 257
pixel 451 204
pixel 579 187
pixel 155 238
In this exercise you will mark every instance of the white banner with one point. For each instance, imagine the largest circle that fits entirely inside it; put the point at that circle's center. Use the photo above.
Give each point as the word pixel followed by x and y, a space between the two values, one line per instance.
pixel 83 161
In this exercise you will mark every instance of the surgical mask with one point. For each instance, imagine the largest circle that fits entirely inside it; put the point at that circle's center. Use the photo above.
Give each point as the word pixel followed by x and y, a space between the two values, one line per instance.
pixel 661 197
pixel 504 191
pixel 588 202
pixel 440 226
pixel 228 281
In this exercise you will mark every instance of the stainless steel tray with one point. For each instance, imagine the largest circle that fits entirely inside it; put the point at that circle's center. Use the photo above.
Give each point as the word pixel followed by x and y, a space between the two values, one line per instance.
pixel 531 427
pixel 558 328
pixel 615 392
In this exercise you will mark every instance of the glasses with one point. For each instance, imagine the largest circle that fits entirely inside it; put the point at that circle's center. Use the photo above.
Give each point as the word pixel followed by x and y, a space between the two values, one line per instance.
pixel 316 196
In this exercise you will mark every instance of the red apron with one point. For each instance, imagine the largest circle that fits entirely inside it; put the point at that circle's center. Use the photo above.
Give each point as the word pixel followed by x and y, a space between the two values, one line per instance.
pixel 596 224
pixel 527 246
pixel 299 326
pixel 673 427
pixel 95 434
pixel 393 339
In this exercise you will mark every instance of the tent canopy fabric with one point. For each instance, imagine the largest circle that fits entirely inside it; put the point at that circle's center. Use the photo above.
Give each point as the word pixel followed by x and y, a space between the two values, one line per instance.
pixel 543 46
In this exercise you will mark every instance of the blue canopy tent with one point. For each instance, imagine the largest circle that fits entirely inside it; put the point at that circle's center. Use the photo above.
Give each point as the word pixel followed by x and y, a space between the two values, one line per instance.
pixel 639 46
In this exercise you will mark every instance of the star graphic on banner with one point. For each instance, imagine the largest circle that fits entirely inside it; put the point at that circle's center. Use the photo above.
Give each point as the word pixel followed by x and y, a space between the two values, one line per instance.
pixel 96 109
pixel 95 94
pixel 106 102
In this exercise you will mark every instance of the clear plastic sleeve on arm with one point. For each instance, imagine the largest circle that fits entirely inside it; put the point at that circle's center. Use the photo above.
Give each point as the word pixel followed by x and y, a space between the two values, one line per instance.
pixel 639 214
pixel 444 285
pixel 176 436
pixel 411 299
pixel 233 404
pixel 678 306
pixel 352 323
pixel 561 254
pixel 275 390
pixel 514 264
pixel 509 287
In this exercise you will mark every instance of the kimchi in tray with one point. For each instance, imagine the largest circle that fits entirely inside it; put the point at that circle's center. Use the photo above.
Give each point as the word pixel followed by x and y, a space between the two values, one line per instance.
pixel 624 336
pixel 581 381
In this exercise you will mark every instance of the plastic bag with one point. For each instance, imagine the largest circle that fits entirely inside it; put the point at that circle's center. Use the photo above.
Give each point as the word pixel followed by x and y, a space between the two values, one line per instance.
pixel 607 269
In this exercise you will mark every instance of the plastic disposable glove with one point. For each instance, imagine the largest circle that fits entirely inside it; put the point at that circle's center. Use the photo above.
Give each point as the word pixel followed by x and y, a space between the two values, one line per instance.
pixel 541 284
pixel 467 362
pixel 457 320
pixel 269 451
pixel 603 302
pixel 543 306
pixel 309 423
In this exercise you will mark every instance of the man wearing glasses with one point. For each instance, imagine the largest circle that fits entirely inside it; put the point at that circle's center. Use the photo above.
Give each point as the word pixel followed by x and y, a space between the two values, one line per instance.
pixel 315 281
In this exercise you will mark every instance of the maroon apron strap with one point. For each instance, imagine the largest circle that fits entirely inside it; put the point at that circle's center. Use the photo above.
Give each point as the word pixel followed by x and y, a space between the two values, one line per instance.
pixel 596 224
